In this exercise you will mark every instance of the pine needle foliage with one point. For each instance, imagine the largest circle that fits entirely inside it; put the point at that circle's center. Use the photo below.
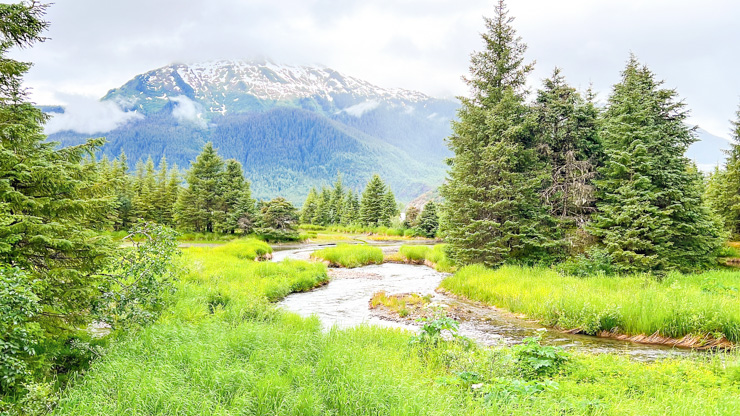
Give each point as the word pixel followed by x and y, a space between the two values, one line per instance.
pixel 492 211
pixel 651 216
pixel 52 200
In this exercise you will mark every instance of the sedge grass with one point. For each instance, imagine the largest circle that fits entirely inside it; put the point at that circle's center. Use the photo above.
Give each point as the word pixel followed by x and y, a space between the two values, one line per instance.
pixel 350 256
pixel 676 306
pixel 223 349
pixel 436 256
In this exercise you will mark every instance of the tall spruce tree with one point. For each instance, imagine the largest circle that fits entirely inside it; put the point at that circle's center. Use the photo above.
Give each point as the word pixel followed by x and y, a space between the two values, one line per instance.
pixel 231 189
pixel 199 204
pixel 308 210
pixel 723 188
pixel 351 209
pixel 50 199
pixel 651 216
pixel 162 204
pixel 492 207
pixel 428 220
pixel 124 194
pixel 567 131
pixel 322 216
pixel 373 206
pixel 391 208
pixel 245 211
pixel 336 204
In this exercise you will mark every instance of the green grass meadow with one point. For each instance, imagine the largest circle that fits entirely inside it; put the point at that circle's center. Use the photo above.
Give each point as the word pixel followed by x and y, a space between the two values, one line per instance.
pixel 223 348
pixel 675 306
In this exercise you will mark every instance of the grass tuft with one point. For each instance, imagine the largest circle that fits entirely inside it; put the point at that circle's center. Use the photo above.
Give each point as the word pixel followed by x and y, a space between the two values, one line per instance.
pixel 350 256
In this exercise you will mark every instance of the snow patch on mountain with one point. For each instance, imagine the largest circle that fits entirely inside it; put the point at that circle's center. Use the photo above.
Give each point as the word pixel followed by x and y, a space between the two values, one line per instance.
pixel 267 80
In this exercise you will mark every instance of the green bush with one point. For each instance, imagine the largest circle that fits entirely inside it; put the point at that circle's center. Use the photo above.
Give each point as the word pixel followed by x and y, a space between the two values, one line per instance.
pixel 19 333
pixel 538 361
pixel 348 255
pixel 277 236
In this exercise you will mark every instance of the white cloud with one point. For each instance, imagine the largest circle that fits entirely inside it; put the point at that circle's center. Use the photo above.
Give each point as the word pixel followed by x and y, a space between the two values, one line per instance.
pixel 414 44
pixel 88 116
pixel 187 110
pixel 358 110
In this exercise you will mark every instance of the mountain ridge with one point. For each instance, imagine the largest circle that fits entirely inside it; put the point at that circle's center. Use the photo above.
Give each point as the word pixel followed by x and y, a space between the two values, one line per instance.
pixel 269 117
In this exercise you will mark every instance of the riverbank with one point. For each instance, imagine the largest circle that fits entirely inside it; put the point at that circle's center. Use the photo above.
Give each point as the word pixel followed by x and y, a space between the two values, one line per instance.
pixel 683 310
pixel 223 348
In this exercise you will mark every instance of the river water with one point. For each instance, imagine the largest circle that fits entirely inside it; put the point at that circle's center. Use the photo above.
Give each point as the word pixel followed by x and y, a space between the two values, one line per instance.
pixel 344 302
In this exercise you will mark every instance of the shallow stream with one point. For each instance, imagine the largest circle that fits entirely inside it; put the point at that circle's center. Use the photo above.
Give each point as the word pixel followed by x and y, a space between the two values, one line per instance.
pixel 344 302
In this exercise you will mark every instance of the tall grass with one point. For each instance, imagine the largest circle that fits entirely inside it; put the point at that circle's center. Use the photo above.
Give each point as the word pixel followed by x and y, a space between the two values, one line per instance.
pixel 350 256
pixel 436 255
pixel 377 231
pixel 249 249
pixel 678 305
pixel 223 349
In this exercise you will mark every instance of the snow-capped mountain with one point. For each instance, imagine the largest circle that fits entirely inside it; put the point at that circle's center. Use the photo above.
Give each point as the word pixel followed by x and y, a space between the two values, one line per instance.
pixel 222 86
pixel 291 127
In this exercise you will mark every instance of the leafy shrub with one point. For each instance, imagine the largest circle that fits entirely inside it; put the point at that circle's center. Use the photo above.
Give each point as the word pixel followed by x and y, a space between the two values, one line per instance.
pixel 135 290
pixel 412 232
pixel 728 251
pixel 433 329
pixel 538 361
pixel 19 334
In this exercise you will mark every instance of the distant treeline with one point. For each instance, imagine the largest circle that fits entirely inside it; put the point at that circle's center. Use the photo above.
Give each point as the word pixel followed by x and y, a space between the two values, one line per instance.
pixel 213 196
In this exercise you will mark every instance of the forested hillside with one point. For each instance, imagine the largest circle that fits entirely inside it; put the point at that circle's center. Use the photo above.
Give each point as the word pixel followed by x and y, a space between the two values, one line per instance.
pixel 292 128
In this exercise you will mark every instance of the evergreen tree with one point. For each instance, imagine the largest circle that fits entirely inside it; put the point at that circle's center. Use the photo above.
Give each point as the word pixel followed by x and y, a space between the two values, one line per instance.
pixel 278 220
pixel 161 202
pixel 124 194
pixel 231 191
pixel 336 203
pixel 198 205
pixel 308 211
pixel 568 141
pixel 428 220
pixel 391 208
pixel 52 204
pixel 492 205
pixel 723 188
pixel 650 213
pixel 322 216
pixel 412 217
pixel 351 208
pixel 373 207
pixel 172 193
pixel 144 200
pixel 244 214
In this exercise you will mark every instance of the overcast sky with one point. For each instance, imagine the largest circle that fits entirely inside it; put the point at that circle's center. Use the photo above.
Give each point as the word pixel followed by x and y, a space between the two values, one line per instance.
pixel 422 45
